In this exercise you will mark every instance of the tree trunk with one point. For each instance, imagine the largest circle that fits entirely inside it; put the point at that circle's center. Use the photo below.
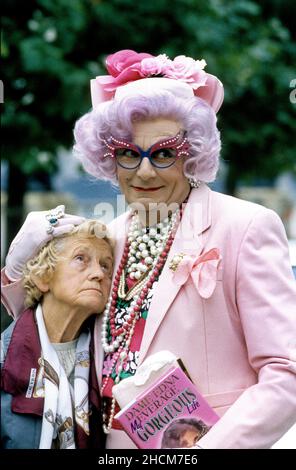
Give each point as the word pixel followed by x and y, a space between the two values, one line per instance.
pixel 15 201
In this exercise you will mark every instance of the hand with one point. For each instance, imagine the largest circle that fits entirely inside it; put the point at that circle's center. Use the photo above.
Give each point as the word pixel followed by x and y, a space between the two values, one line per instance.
pixel 33 235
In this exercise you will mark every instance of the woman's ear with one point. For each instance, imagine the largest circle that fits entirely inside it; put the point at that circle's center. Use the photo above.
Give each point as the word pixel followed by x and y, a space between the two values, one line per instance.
pixel 40 283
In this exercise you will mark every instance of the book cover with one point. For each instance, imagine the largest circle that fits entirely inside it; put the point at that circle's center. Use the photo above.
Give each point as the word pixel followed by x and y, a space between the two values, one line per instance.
pixel 170 414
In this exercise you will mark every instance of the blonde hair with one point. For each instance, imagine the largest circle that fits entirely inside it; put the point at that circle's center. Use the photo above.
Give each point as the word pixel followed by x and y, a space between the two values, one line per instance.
pixel 44 263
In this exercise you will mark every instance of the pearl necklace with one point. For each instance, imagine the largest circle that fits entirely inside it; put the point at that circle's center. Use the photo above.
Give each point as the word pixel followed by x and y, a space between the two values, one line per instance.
pixel 145 245
pixel 135 306
pixel 122 336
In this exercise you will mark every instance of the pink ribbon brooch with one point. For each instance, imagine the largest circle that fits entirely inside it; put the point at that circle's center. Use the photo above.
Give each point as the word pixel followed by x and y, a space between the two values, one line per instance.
pixel 202 269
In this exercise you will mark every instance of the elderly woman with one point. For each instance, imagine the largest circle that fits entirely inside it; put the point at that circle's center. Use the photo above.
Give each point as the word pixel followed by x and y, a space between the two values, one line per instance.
pixel 47 397
pixel 202 274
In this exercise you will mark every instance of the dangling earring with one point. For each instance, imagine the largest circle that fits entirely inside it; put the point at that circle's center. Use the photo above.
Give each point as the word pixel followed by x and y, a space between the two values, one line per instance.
pixel 193 182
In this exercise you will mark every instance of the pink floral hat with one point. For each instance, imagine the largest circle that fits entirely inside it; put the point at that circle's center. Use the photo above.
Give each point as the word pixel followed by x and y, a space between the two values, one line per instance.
pixel 133 73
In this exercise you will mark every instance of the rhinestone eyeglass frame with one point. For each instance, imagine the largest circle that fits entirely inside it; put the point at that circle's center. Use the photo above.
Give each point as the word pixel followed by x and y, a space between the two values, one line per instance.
pixel 178 143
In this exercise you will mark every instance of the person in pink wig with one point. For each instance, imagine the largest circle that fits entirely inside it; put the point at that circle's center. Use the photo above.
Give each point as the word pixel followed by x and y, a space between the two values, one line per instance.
pixel 202 274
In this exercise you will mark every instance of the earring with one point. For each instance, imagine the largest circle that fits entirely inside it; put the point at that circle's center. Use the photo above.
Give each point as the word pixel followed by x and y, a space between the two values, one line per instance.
pixel 193 182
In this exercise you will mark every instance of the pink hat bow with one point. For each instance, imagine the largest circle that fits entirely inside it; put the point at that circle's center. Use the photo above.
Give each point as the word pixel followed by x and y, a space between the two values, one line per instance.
pixel 202 269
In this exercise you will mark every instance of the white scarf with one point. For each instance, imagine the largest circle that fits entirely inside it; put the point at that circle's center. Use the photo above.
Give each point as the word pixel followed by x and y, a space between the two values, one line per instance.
pixel 57 421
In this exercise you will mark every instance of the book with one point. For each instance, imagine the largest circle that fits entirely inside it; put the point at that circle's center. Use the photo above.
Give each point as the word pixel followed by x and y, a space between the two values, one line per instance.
pixel 169 414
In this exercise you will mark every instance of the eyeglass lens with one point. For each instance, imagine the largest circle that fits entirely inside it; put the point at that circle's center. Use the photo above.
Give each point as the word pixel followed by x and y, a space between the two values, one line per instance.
pixel 161 158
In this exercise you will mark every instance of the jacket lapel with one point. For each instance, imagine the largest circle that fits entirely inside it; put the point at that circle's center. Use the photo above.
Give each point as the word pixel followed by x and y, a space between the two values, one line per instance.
pixel 195 220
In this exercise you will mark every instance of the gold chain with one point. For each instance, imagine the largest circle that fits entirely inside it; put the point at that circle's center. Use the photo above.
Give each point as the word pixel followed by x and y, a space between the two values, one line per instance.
pixel 134 290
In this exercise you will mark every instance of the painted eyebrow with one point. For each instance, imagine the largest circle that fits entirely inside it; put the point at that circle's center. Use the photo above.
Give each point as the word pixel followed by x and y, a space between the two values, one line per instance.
pixel 162 138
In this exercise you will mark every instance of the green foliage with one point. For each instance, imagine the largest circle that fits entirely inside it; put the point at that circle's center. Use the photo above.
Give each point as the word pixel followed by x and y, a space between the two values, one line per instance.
pixel 51 49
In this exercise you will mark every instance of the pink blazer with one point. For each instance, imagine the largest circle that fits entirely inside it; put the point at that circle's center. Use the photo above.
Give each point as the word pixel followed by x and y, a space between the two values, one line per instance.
pixel 229 312
pixel 233 321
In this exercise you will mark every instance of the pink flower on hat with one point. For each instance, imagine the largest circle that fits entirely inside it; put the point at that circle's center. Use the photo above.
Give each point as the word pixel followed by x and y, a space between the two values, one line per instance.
pixel 126 66
pixel 125 59
pixel 187 70
pixel 155 65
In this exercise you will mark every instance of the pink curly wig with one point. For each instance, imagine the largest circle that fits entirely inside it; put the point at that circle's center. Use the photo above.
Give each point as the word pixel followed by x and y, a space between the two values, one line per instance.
pixel 116 117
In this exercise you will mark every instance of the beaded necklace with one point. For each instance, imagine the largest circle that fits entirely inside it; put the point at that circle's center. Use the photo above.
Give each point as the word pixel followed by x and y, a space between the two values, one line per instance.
pixel 147 247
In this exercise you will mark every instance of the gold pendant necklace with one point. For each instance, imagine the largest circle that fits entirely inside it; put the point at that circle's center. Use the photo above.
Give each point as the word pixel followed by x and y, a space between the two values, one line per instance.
pixel 133 290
